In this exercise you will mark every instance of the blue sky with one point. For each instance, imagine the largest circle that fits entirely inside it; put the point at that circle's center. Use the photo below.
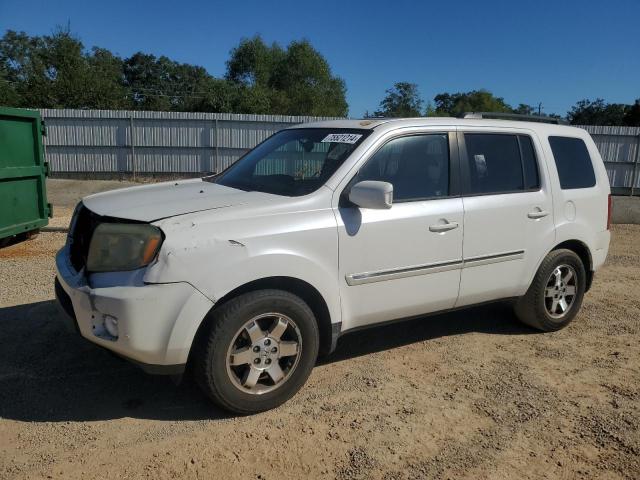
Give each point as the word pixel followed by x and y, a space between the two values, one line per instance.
pixel 554 52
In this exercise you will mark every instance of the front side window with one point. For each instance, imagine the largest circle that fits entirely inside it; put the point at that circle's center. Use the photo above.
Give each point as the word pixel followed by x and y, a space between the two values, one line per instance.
pixel 573 162
pixel 417 167
pixel 292 162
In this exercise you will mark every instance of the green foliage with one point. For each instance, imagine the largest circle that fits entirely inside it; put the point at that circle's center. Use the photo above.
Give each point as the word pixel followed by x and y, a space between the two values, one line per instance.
pixel 524 109
pixel 55 71
pixel 403 100
pixel 294 81
pixel 632 115
pixel 597 112
pixel 58 72
pixel 455 104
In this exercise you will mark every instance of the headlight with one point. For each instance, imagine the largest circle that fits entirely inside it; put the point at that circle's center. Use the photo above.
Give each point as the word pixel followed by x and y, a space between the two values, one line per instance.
pixel 117 247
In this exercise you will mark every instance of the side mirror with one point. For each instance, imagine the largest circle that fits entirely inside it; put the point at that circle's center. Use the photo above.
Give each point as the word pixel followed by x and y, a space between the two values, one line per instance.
pixel 372 194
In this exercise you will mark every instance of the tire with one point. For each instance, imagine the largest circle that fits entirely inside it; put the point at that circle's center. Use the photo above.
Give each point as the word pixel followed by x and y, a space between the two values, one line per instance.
pixel 536 307
pixel 227 378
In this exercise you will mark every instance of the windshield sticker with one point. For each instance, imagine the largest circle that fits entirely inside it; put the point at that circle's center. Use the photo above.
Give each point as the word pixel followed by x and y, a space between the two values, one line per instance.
pixel 342 138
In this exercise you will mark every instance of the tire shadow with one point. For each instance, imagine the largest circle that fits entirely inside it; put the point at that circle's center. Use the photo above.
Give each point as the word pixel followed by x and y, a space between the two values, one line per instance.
pixel 494 318
pixel 48 374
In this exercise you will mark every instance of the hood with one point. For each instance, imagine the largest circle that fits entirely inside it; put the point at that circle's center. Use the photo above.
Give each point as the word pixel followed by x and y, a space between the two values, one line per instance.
pixel 152 202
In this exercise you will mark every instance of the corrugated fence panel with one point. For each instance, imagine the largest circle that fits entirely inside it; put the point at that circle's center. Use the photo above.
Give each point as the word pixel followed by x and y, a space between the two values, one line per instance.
pixel 619 147
pixel 84 159
pixel 176 159
pixel 620 174
pixel 87 132
pixel 120 141
pixel 616 148
pixel 154 142
pixel 172 133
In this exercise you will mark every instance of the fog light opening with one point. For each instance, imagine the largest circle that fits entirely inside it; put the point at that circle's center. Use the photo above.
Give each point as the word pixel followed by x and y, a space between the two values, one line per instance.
pixel 111 325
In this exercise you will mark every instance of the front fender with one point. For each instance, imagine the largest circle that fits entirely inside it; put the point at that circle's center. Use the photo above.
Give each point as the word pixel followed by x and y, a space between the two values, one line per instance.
pixel 217 265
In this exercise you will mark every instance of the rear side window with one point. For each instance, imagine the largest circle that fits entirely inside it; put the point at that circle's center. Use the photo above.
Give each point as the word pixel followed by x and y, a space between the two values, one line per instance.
pixel 573 162
pixel 493 163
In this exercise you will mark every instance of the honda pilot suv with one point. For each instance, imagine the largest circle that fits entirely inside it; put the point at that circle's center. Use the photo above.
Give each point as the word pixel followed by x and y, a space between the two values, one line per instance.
pixel 324 228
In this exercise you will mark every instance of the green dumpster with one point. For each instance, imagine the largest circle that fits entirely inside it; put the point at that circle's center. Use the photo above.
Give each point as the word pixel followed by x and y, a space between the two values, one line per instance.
pixel 23 195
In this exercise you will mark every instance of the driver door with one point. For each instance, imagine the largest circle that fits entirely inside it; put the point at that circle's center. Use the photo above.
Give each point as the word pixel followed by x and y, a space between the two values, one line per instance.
pixel 406 260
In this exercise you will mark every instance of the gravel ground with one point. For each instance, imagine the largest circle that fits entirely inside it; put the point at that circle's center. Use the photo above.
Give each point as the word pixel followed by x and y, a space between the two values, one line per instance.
pixel 470 395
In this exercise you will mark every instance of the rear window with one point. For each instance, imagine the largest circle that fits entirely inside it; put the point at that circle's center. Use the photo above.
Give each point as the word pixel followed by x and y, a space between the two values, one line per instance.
pixel 572 162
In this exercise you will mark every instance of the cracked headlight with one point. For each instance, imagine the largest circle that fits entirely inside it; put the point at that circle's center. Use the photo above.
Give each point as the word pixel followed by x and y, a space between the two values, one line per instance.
pixel 118 247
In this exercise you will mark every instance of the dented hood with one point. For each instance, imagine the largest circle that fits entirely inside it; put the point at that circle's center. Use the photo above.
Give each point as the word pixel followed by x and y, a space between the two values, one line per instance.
pixel 162 200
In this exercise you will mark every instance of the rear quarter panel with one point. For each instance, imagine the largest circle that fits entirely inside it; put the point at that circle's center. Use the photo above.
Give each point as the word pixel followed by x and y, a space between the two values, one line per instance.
pixel 581 213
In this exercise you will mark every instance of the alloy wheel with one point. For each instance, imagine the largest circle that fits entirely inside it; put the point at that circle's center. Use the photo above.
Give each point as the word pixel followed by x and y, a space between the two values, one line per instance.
pixel 264 353
pixel 560 291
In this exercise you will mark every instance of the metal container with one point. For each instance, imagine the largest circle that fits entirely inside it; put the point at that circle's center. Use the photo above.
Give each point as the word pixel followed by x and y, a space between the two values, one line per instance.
pixel 23 196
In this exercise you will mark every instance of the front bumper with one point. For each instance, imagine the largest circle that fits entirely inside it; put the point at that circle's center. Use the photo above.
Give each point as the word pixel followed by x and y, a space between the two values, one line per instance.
pixel 156 322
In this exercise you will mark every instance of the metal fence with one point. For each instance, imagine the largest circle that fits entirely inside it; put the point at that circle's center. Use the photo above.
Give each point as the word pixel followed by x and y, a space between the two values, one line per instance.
pixel 620 150
pixel 116 142
pixel 143 142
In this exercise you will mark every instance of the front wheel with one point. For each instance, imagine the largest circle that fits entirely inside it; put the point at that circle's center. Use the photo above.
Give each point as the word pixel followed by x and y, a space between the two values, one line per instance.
pixel 257 351
pixel 555 295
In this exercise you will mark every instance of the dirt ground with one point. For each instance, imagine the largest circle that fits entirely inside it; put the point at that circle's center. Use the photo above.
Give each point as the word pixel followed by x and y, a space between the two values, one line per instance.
pixel 470 394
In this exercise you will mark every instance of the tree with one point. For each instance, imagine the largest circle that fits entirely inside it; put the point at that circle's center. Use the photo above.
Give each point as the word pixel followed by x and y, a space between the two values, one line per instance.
pixel 447 104
pixel 55 72
pixel 586 112
pixel 67 70
pixel 106 87
pixel 253 63
pixel 292 81
pixel 403 100
pixel 524 109
pixel 23 69
pixel 632 115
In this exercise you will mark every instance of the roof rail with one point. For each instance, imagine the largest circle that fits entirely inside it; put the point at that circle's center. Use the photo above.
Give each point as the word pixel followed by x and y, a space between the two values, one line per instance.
pixel 513 116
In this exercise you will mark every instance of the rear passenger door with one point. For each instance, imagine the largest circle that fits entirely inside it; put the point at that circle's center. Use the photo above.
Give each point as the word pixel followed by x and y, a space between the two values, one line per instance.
pixel 508 213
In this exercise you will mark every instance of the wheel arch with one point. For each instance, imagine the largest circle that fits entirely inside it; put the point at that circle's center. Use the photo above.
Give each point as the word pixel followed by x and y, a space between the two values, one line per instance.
pixel 582 250
pixel 307 292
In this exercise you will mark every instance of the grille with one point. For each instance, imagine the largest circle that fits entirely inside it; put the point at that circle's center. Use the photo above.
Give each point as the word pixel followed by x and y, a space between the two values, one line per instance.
pixel 85 223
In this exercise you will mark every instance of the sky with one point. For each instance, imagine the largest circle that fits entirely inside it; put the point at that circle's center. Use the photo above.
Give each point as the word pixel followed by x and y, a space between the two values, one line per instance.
pixel 555 52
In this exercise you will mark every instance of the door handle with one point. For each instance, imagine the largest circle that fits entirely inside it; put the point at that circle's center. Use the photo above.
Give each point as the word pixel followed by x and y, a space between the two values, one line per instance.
pixel 443 227
pixel 537 214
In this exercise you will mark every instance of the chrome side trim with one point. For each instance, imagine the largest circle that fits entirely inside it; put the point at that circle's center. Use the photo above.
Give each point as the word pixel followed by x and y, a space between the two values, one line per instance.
pixel 496 258
pixel 402 272
pixel 414 270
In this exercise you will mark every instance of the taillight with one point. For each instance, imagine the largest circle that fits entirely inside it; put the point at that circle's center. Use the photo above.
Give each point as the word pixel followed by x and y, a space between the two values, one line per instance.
pixel 609 205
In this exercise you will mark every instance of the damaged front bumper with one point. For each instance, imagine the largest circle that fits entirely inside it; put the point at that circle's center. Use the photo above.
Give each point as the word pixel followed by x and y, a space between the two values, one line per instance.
pixel 152 325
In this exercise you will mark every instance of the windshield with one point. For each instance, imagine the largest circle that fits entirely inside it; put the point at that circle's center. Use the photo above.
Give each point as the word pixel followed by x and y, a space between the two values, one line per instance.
pixel 292 162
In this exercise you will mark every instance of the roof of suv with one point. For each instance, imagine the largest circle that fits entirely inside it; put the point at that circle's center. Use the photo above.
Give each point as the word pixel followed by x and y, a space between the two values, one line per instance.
pixel 392 123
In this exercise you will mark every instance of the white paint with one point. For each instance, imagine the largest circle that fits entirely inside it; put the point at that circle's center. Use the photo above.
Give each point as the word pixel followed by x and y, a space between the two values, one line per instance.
pixel 219 239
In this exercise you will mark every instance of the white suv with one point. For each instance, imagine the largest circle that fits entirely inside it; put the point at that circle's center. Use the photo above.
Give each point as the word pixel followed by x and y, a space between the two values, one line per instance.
pixel 332 226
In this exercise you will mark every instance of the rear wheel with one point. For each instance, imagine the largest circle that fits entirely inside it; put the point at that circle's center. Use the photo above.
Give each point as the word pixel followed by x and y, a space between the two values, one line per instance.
pixel 555 295
pixel 257 351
